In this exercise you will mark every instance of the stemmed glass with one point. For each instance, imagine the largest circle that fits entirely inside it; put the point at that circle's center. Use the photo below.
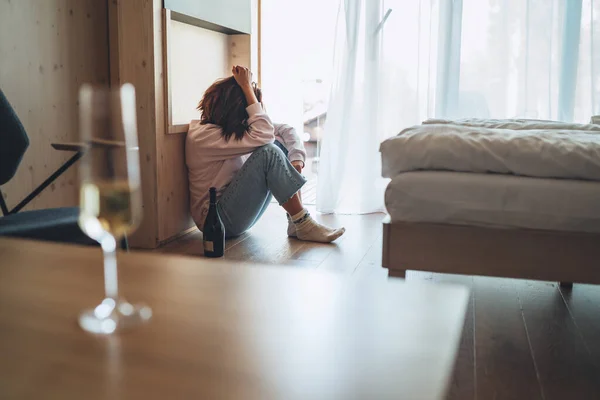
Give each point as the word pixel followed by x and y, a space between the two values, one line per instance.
pixel 110 196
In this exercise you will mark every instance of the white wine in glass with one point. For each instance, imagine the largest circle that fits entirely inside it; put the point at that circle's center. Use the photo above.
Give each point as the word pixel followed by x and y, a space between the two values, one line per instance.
pixel 110 196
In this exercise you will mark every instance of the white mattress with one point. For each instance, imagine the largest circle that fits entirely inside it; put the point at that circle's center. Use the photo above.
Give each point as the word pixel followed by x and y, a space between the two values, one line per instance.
pixel 540 153
pixel 493 200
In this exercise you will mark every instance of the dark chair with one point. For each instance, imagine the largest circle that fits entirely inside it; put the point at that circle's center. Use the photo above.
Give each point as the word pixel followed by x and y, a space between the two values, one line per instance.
pixel 54 224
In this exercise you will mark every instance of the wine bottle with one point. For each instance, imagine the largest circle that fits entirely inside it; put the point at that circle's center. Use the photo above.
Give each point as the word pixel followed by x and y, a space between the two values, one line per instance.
pixel 214 230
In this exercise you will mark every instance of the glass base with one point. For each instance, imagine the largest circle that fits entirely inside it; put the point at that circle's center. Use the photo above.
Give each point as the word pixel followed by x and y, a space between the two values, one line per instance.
pixel 112 316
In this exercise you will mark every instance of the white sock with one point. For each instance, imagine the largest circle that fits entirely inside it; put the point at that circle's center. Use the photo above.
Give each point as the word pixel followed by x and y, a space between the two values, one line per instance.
pixel 310 230
pixel 291 230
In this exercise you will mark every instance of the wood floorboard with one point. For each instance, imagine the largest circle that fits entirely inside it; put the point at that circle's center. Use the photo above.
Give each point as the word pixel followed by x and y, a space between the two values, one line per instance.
pixel 372 258
pixel 513 331
pixel 462 386
pixel 230 243
pixel 313 252
pixel 583 302
pixel 267 241
pixel 320 251
pixel 351 248
pixel 191 244
pixel 565 366
pixel 369 267
pixel 503 359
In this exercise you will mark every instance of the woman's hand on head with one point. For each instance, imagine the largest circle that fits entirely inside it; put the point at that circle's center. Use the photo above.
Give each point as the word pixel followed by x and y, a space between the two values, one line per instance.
pixel 242 76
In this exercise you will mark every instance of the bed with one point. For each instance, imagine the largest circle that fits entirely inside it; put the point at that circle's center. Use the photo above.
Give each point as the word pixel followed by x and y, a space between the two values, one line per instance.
pixel 508 198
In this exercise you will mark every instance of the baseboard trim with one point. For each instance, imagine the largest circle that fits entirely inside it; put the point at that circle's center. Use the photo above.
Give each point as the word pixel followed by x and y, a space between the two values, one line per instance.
pixel 181 234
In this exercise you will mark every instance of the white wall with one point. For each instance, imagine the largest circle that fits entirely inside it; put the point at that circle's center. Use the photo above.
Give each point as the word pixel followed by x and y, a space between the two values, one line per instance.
pixel 198 58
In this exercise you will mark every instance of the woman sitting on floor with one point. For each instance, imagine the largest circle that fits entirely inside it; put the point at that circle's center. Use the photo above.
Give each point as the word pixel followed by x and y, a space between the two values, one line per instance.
pixel 235 148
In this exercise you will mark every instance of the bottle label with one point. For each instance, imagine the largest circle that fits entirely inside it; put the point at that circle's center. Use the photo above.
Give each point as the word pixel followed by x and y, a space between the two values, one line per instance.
pixel 208 246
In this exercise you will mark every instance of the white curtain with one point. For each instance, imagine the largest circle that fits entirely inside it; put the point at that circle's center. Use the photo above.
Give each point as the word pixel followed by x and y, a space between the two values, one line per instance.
pixel 453 59
pixel 349 161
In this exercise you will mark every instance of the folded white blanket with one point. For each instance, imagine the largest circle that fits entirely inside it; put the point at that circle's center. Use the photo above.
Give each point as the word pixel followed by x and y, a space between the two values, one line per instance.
pixel 516 124
pixel 544 153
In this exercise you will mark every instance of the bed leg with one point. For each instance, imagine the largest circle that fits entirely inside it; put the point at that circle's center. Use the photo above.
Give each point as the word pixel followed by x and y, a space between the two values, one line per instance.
pixel 397 273
pixel 566 285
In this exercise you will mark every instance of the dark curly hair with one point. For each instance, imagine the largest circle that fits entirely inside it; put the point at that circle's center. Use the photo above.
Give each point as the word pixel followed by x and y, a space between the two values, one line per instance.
pixel 224 104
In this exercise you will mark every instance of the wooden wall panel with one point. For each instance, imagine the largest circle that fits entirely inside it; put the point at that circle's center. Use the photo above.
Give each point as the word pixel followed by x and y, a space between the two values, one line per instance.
pixel 47 50
pixel 255 39
pixel 240 52
pixel 133 40
pixel 173 189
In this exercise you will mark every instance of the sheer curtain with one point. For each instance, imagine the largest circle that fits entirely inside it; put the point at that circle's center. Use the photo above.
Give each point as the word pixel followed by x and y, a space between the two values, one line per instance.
pixel 449 59
pixel 349 166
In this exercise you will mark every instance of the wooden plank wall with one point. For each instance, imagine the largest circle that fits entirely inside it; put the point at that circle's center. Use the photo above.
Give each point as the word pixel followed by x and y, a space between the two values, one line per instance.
pixel 240 52
pixel 47 50
pixel 132 48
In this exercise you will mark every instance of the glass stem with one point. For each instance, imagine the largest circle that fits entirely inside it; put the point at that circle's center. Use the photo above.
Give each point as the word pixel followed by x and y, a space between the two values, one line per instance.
pixel 111 283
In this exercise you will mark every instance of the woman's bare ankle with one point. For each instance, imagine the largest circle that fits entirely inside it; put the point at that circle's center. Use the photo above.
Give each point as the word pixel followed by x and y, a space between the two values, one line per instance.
pixel 293 206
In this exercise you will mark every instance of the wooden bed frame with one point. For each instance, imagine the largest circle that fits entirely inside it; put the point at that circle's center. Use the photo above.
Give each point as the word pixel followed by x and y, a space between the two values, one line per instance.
pixel 565 257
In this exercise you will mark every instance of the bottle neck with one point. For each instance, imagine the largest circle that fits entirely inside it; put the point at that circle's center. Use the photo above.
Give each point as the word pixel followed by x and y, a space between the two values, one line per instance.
pixel 213 197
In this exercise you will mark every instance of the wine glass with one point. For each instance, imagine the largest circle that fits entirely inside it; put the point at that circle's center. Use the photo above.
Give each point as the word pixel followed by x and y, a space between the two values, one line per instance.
pixel 110 196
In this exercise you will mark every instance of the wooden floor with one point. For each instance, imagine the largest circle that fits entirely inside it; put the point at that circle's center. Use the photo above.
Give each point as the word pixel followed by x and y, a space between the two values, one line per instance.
pixel 521 339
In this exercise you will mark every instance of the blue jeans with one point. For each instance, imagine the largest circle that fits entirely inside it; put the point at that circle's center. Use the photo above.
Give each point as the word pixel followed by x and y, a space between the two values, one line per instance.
pixel 266 173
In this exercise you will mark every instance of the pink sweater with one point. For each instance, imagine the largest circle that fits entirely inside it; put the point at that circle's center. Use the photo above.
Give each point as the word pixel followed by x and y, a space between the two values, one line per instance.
pixel 213 161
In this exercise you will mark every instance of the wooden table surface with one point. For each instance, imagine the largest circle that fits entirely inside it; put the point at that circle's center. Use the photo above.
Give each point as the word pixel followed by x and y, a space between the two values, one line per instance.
pixel 220 330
